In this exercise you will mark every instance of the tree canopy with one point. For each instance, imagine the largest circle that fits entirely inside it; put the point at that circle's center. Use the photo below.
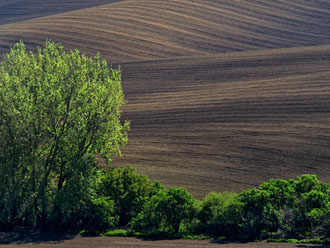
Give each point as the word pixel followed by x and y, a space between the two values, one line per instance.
pixel 57 109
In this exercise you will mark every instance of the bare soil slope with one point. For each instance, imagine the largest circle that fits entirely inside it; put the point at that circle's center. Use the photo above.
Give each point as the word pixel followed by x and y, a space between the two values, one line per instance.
pixel 231 121
pixel 134 30
pixel 19 10
pixel 222 95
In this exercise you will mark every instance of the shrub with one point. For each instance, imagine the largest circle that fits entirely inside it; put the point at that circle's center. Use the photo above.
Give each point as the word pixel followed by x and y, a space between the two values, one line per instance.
pixel 79 206
pixel 286 209
pixel 219 214
pixel 165 211
pixel 128 189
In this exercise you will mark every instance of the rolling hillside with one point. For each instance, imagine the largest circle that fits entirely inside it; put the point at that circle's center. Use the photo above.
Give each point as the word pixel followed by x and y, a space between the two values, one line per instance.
pixel 135 30
pixel 262 115
pixel 222 95
pixel 18 10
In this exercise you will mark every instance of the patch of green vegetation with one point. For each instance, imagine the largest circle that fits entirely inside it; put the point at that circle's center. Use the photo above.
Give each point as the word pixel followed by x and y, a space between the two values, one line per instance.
pixel 302 241
pixel 283 240
pixel 325 241
pixel 198 236
pixel 117 233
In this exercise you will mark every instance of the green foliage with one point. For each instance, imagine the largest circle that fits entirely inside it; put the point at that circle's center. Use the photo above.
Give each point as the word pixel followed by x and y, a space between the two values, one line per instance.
pixel 128 189
pixel 117 233
pixel 150 218
pixel 280 209
pixel 313 211
pixel 197 236
pixel 165 211
pixel 79 205
pixel 302 241
pixel 178 207
pixel 56 110
pixel 290 209
pixel 219 214
pixel 307 183
pixel 283 240
pixel 281 192
pixel 259 217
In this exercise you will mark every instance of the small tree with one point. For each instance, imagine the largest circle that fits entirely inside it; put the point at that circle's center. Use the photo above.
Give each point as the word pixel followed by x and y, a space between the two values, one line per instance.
pixel 56 109
pixel 219 214
pixel 128 189
pixel 178 207
pixel 166 211
pixel 259 217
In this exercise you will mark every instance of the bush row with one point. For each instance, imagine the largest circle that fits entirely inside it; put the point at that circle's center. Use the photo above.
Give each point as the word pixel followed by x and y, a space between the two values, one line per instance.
pixel 97 200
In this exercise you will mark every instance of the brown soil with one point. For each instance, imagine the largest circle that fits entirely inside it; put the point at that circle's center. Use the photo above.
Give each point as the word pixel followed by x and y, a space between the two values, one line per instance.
pixel 20 10
pixel 134 30
pixel 229 122
pixel 222 95
pixel 51 241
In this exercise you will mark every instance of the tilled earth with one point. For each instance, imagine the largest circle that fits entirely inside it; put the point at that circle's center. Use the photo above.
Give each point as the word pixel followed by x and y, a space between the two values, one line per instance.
pixel 17 239
pixel 221 95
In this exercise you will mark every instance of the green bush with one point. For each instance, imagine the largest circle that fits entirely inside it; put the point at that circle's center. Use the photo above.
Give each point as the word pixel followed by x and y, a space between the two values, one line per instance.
pixel 279 209
pixel 165 211
pixel 286 209
pixel 117 233
pixel 259 218
pixel 78 206
pixel 219 214
pixel 128 189
pixel 313 211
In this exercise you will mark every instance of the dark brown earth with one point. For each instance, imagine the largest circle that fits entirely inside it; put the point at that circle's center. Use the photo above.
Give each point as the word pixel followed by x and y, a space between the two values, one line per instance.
pixel 222 95
pixel 13 240
pixel 229 122
pixel 134 30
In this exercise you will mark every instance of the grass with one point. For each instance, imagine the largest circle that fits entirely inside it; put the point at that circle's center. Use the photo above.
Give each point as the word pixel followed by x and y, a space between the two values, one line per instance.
pixel 302 241
pixel 157 235
pixel 117 233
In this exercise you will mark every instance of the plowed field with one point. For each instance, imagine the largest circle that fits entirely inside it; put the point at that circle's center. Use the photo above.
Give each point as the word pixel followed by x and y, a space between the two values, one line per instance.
pixel 222 95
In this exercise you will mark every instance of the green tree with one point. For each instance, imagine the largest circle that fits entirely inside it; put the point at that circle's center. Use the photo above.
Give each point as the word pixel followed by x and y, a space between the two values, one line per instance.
pixel 178 207
pixel 166 211
pixel 286 209
pixel 306 183
pixel 79 206
pixel 312 210
pixel 259 217
pixel 151 217
pixel 220 214
pixel 281 192
pixel 128 189
pixel 57 108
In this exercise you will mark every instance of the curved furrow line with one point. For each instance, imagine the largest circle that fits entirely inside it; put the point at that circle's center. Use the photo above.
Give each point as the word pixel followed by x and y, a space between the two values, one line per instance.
pixel 87 26
pixel 20 10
